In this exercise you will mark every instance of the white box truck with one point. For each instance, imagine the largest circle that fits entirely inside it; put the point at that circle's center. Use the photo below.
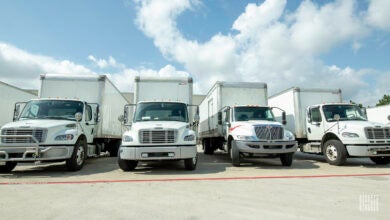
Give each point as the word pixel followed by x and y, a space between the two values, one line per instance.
pixel 324 125
pixel 380 114
pixel 160 123
pixel 234 117
pixel 74 117
pixel 9 95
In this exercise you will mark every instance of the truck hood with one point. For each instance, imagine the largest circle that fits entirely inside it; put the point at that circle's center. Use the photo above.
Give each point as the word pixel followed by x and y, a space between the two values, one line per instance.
pixel 254 123
pixel 357 125
pixel 44 123
pixel 159 125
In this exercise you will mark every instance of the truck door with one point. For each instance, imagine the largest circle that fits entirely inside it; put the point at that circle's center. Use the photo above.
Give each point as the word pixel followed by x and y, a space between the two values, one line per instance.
pixel 211 115
pixel 314 125
pixel 225 122
pixel 90 121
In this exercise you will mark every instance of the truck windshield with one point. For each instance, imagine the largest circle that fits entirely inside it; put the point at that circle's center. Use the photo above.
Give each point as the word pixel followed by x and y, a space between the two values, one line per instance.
pixel 346 113
pixel 253 113
pixel 51 109
pixel 161 111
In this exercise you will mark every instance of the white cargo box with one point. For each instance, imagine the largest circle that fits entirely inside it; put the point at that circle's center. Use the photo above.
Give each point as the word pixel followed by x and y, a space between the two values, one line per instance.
pixel 295 101
pixel 228 94
pixel 9 95
pixel 379 114
pixel 92 89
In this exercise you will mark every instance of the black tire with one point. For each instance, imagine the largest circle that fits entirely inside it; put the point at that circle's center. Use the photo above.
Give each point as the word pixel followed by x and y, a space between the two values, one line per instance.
pixel 8 167
pixel 127 165
pixel 380 160
pixel 79 155
pixel 335 152
pixel 286 159
pixel 208 149
pixel 114 147
pixel 235 154
pixel 190 163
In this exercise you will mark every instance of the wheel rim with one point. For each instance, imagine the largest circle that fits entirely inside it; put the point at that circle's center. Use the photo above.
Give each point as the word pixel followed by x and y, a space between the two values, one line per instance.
pixel 331 152
pixel 80 155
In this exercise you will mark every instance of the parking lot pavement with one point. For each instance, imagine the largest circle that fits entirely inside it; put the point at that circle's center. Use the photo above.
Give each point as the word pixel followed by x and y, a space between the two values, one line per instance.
pixel 260 188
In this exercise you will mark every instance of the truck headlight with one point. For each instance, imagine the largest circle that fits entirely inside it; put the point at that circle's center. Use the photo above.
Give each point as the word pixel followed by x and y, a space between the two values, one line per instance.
pixel 127 138
pixel 190 137
pixel 246 138
pixel 64 137
pixel 350 135
pixel 288 135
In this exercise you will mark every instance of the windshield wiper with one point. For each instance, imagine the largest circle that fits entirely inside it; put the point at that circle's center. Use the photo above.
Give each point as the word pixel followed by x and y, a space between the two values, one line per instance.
pixel 56 117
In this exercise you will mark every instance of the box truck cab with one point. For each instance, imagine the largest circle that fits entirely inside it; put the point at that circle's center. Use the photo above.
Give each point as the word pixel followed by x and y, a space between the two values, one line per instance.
pixel 160 127
pixel 234 117
pixel 64 129
pixel 336 130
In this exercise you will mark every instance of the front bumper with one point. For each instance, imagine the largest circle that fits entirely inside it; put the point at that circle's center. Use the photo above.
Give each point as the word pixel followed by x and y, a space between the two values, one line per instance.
pixel 368 151
pixel 263 147
pixel 34 153
pixel 157 152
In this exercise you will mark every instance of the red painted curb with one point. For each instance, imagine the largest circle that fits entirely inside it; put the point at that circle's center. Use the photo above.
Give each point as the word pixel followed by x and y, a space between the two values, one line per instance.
pixel 193 179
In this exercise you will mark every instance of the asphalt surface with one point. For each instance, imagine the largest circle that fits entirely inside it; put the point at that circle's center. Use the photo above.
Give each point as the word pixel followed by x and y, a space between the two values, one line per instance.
pixel 259 189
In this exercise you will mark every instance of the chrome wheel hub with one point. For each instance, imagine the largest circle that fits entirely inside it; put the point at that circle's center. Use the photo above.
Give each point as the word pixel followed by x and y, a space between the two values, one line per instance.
pixel 331 152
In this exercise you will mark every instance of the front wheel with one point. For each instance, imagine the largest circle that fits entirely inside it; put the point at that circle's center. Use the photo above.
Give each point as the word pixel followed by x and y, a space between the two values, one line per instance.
pixel 235 154
pixel 380 160
pixel 79 155
pixel 286 159
pixel 190 163
pixel 335 152
pixel 127 165
pixel 8 167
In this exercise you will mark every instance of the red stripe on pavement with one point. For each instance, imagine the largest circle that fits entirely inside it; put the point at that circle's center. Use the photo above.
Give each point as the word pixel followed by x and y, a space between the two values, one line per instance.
pixel 193 179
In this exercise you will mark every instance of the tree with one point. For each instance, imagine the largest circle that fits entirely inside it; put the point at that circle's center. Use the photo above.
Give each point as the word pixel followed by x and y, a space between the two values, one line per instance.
pixel 354 103
pixel 384 101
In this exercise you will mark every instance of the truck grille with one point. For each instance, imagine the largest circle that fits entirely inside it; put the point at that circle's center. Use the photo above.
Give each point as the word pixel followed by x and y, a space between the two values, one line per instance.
pixel 157 136
pixel 39 134
pixel 269 132
pixel 377 133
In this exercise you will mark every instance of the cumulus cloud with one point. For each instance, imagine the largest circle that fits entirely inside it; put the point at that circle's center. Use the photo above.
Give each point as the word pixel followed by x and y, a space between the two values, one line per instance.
pixel 378 14
pixel 21 68
pixel 271 45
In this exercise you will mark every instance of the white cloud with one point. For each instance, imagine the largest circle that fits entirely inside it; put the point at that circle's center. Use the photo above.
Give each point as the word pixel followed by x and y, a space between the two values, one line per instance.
pixel 378 14
pixel 272 45
pixel 20 68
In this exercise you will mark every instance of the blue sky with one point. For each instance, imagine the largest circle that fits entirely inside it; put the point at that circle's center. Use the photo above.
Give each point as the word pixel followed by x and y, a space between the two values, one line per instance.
pixel 328 44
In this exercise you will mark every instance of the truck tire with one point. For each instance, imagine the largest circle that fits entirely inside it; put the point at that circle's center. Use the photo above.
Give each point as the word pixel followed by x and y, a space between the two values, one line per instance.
pixel 208 149
pixel 114 147
pixel 235 154
pixel 286 159
pixel 335 152
pixel 190 163
pixel 79 155
pixel 380 160
pixel 127 165
pixel 8 167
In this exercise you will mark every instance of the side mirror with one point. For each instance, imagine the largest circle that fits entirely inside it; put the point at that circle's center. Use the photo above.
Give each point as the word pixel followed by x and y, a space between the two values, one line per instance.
pixel 336 117
pixel 16 112
pixel 219 118
pixel 121 118
pixel 309 116
pixel 78 116
pixel 196 118
pixel 284 120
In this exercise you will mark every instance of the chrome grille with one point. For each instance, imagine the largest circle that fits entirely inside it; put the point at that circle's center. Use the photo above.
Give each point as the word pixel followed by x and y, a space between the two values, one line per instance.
pixel 377 133
pixel 39 134
pixel 157 136
pixel 269 132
